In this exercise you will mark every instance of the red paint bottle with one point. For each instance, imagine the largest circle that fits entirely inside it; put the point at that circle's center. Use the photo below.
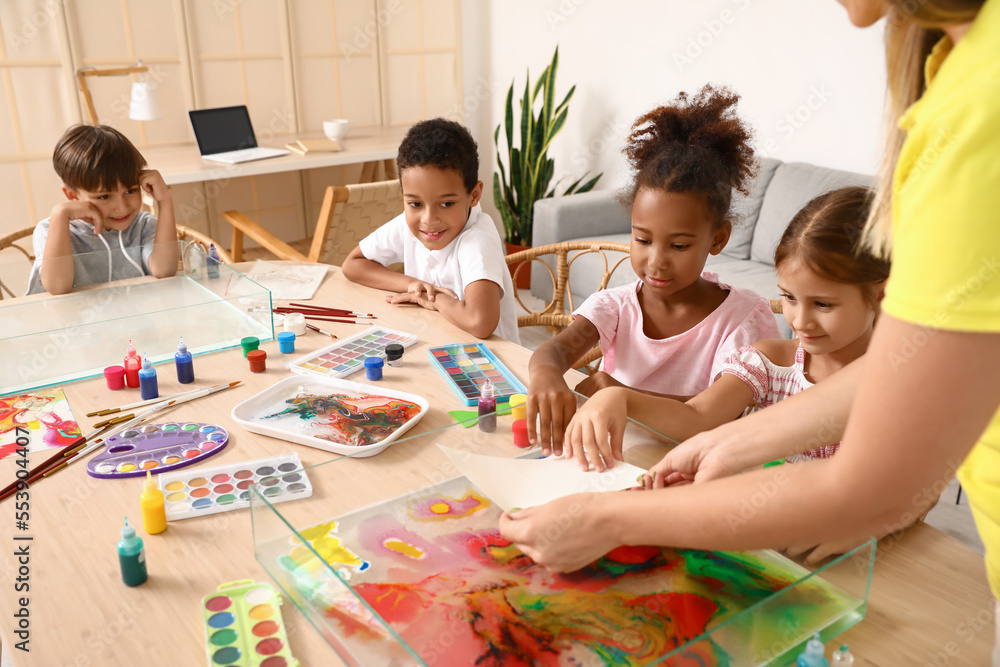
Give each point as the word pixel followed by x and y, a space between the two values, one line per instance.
pixel 132 365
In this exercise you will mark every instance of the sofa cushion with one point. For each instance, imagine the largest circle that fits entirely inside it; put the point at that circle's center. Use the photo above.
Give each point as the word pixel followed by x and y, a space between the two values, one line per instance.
pixel 791 187
pixel 747 210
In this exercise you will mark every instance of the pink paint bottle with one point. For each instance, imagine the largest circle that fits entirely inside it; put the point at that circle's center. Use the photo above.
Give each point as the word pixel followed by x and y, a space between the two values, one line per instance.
pixel 132 365
pixel 487 408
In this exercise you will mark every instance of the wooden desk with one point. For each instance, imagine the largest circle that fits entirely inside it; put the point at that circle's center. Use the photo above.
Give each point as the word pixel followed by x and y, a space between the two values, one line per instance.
pixel 929 596
pixel 183 163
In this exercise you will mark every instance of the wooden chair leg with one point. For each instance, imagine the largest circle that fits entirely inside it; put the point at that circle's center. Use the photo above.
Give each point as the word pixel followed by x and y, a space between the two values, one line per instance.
pixel 390 169
pixel 236 251
pixel 367 173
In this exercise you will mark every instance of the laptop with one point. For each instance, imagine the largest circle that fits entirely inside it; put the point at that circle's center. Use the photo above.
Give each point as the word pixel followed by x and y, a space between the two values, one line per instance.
pixel 226 135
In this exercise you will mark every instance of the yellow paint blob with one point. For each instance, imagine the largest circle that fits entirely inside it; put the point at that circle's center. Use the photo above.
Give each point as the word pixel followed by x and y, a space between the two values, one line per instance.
pixel 170 460
pixel 174 497
pixel 261 611
pixel 147 465
pixel 331 551
pixel 174 486
pixel 405 549
pixel 440 508
pixel 126 467
pixel 318 531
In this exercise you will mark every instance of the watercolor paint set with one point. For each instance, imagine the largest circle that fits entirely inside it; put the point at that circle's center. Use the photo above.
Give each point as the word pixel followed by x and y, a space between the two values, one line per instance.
pixel 335 415
pixel 223 488
pixel 158 448
pixel 243 626
pixel 347 355
pixel 469 366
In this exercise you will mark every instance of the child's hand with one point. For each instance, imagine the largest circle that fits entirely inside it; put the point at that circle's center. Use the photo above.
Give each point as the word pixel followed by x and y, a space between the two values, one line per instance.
pixel 596 382
pixel 152 182
pixel 597 429
pixel 77 209
pixel 422 289
pixel 552 401
pixel 416 298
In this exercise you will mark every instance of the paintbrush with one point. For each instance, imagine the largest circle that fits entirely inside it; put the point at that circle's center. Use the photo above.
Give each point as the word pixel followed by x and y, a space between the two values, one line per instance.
pixel 151 401
pixel 318 330
pixel 339 311
pixel 54 460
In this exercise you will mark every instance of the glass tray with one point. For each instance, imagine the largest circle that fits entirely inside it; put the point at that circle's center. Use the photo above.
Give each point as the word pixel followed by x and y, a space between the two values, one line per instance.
pixel 419 575
pixel 47 340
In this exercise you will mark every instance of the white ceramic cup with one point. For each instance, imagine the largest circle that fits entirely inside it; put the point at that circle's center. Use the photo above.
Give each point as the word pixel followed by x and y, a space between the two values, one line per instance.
pixel 337 129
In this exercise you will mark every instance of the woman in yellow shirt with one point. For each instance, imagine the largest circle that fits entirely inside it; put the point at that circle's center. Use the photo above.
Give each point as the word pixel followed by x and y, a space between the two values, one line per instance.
pixel 924 401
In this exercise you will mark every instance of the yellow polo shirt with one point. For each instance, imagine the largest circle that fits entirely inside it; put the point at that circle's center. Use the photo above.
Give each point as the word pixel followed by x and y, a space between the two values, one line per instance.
pixel 946 228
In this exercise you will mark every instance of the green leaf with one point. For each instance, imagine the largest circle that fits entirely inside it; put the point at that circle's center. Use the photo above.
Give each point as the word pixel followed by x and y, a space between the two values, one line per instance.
pixel 538 85
pixel 589 185
pixel 572 186
pixel 562 105
pixel 509 224
pixel 509 117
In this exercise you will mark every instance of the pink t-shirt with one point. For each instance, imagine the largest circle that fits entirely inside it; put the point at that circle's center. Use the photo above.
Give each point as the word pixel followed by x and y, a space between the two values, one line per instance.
pixel 681 365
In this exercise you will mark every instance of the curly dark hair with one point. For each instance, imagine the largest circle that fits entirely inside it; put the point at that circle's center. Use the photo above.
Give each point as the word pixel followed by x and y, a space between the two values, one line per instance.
pixel 695 144
pixel 444 144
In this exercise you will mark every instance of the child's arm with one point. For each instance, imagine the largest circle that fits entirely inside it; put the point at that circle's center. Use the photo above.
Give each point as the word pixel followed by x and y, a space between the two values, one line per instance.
pixel 359 269
pixel 163 260
pixel 549 397
pixel 57 271
pixel 598 428
pixel 478 313
pixel 601 380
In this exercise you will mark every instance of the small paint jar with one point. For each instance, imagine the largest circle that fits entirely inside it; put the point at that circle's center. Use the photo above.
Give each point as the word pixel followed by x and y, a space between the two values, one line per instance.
pixel 249 343
pixel 296 323
pixel 394 354
pixel 286 342
pixel 114 376
pixel 520 429
pixel 518 409
pixel 373 368
pixel 256 359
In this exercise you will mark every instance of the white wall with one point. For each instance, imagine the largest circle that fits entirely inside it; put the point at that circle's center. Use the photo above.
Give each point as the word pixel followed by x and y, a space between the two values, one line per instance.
pixel 812 85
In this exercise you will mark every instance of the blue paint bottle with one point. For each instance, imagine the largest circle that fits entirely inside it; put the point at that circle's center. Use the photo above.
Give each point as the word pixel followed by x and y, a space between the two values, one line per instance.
pixel 147 380
pixel 813 655
pixel 286 342
pixel 213 261
pixel 132 557
pixel 185 366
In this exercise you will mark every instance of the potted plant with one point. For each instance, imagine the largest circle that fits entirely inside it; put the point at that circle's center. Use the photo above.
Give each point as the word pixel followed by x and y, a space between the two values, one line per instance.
pixel 529 174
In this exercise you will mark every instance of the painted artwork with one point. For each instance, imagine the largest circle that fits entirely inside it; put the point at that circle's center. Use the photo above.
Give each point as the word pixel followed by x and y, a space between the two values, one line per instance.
pixel 348 419
pixel 436 570
pixel 44 413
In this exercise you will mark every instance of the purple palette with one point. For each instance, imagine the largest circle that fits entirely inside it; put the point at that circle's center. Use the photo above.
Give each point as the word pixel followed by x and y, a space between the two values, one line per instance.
pixel 157 448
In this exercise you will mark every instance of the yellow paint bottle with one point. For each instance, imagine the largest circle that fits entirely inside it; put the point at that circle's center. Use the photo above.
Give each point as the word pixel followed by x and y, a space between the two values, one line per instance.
pixel 154 514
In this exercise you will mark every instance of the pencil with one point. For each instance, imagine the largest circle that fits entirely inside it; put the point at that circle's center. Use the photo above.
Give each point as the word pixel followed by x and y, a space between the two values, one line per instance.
pixel 308 313
pixel 151 401
pixel 333 319
pixel 318 330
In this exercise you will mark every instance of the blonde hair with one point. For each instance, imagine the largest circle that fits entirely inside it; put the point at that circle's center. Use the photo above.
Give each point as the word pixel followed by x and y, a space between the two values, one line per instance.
pixel 912 29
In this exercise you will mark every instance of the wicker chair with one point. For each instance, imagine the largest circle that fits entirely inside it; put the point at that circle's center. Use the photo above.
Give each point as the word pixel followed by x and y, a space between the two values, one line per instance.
pixel 200 241
pixel 11 241
pixel 554 315
pixel 349 213
pixel 776 305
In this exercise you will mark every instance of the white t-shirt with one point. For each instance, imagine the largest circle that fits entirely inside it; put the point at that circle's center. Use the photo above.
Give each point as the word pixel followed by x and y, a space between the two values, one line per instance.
pixel 475 254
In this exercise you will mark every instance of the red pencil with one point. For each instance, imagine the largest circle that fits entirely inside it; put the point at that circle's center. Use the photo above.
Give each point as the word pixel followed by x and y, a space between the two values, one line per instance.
pixel 334 319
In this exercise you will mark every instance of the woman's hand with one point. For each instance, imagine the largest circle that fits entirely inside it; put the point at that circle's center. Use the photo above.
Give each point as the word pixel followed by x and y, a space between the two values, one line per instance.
pixel 563 535
pixel 698 459
pixel 595 434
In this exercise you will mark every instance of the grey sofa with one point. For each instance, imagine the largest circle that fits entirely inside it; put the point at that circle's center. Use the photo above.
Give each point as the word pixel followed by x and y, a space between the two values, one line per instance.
pixel 747 261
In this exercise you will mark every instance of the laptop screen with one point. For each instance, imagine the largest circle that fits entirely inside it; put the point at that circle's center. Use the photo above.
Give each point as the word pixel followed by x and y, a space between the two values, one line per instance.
pixel 223 129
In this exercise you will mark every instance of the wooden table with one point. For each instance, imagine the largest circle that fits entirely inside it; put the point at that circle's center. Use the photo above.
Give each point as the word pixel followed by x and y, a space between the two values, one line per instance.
pixel 183 163
pixel 929 599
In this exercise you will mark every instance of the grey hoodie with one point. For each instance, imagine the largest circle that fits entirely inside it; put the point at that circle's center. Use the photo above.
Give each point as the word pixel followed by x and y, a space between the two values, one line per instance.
pixel 95 262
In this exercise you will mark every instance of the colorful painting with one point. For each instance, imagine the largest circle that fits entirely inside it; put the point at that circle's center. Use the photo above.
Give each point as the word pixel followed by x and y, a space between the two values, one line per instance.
pixel 348 419
pixel 437 572
pixel 44 413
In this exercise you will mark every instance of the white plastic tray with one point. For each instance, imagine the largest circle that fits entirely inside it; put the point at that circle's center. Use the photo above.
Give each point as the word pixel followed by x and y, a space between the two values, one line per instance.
pixel 246 413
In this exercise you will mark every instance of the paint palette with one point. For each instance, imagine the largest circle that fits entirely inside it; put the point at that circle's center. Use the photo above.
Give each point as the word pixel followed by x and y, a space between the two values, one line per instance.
pixel 223 488
pixel 469 366
pixel 243 626
pixel 336 415
pixel 347 355
pixel 158 448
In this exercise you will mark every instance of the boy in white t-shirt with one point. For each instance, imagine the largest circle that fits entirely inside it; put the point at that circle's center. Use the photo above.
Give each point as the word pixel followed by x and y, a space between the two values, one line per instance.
pixel 453 258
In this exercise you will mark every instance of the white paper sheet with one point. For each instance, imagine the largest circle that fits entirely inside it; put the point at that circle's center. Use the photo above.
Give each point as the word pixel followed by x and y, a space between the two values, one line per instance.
pixel 524 483
pixel 293 282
